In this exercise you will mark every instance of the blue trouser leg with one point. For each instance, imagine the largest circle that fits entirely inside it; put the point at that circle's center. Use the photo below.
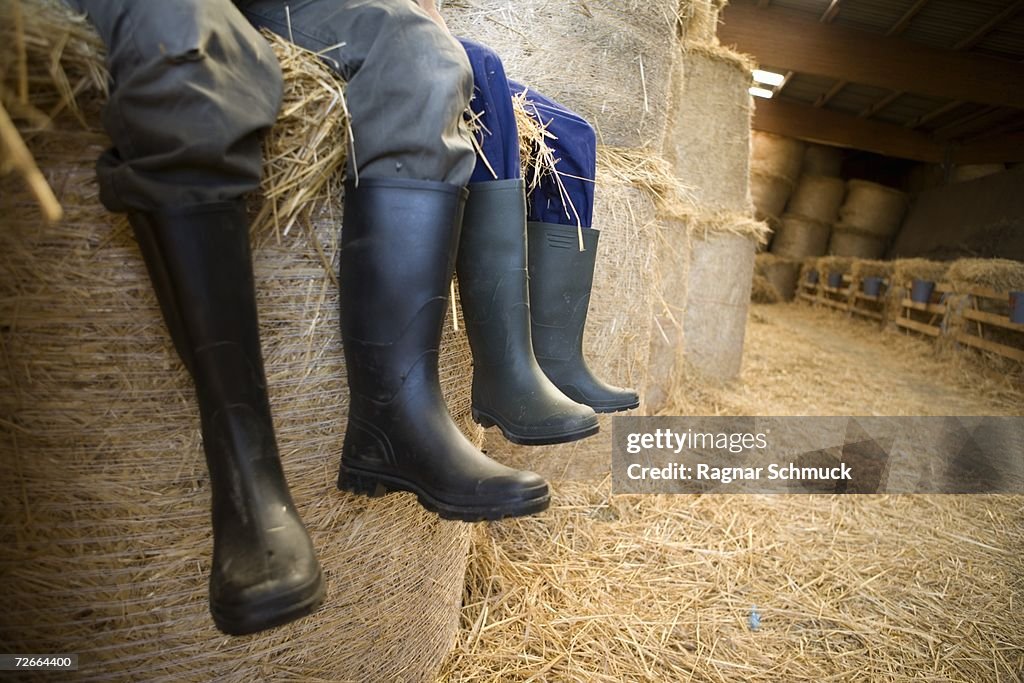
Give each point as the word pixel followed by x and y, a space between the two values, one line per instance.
pixel 567 200
pixel 574 145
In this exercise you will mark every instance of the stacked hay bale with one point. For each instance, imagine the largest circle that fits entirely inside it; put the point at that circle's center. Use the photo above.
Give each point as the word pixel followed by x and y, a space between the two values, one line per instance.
pixel 703 316
pixel 807 224
pixel 775 163
pixel 868 220
pixel 105 520
pixel 611 62
pixel 966 172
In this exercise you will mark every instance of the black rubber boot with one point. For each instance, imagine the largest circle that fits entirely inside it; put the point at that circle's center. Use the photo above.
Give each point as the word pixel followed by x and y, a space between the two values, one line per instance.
pixel 561 277
pixel 398 252
pixel 265 572
pixel 509 388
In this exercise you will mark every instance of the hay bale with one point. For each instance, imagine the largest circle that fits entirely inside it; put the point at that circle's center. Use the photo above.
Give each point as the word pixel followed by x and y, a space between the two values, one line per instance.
pixel 718 296
pixel 823 160
pixel 762 291
pixel 617 339
pixel 967 172
pixel 834 264
pixel 872 208
pixel 863 268
pixel 856 243
pixel 609 61
pixel 708 136
pixel 672 263
pixel 106 502
pixel 769 193
pixel 1001 275
pixel 776 155
pixel 800 237
pixel 781 273
pixel 698 20
pixel 906 270
pixel 817 197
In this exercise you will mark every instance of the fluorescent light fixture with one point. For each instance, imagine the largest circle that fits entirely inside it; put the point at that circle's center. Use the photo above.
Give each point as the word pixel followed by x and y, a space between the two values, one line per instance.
pixel 768 77
pixel 761 92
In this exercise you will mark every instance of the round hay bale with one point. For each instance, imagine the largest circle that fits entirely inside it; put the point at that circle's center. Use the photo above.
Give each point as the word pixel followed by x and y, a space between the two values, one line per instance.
pixel 769 193
pixel 106 514
pixel 872 208
pixel 817 197
pixel 967 172
pixel 718 297
pixel 708 137
pixel 846 241
pixel 799 237
pixel 823 160
pixel 776 155
pixel 781 273
pixel 106 500
pixel 617 338
pixel 609 61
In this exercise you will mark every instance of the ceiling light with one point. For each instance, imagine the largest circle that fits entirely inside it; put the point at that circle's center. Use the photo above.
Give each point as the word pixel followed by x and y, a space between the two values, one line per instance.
pixel 768 77
pixel 761 92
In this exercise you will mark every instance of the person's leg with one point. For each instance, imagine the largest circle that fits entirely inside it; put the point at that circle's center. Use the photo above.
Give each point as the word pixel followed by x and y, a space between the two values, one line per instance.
pixel 561 213
pixel 569 198
pixel 192 87
pixel 509 388
pixel 408 85
pixel 407 82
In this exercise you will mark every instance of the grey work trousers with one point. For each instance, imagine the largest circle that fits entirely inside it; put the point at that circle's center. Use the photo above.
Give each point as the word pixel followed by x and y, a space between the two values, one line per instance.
pixel 194 84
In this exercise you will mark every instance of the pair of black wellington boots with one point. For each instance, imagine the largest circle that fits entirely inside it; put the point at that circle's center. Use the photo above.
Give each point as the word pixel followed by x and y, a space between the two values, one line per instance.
pixel 399 248
pixel 400 245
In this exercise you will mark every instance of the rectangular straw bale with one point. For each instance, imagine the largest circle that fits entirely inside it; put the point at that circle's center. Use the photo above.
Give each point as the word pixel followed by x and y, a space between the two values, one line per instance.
pixel 708 136
pixel 1002 275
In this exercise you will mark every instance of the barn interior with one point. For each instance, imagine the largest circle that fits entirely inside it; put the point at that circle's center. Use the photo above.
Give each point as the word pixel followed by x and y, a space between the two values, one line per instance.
pixel 808 208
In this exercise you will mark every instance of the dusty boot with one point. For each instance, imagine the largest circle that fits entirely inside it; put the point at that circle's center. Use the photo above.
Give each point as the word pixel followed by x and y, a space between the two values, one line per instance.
pixel 265 572
pixel 561 277
pixel 509 388
pixel 398 251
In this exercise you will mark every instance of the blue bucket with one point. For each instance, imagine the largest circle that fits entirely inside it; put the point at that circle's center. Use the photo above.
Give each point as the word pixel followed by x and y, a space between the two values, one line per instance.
pixel 872 286
pixel 921 291
pixel 812 277
pixel 1017 307
pixel 835 280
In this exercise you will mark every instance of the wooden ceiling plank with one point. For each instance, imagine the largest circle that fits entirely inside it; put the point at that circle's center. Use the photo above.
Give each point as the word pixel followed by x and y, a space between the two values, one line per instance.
pixel 934 114
pixel 989 25
pixel 832 92
pixel 794 41
pixel 1001 150
pixel 844 130
pixel 881 104
pixel 908 16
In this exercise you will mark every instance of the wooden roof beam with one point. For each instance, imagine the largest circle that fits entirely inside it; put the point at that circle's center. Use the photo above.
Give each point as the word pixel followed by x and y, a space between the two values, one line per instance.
pixel 989 25
pixel 794 41
pixel 828 127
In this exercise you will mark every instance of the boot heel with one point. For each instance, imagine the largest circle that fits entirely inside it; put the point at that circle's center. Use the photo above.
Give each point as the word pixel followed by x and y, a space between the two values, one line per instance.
pixel 361 484
pixel 482 419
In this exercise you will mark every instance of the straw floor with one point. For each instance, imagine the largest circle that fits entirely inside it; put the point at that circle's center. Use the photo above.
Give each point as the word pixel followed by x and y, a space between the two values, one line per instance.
pixel 661 588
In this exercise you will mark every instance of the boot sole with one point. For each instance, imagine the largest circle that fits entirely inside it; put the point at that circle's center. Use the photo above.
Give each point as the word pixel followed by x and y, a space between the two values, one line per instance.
pixel 375 485
pixel 243 619
pixel 485 421
pixel 615 409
